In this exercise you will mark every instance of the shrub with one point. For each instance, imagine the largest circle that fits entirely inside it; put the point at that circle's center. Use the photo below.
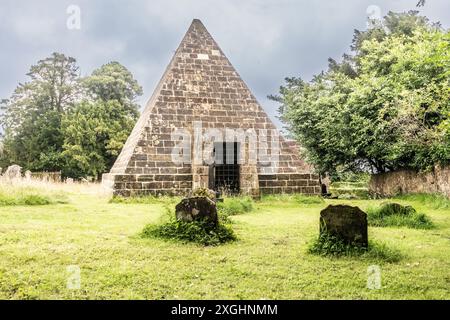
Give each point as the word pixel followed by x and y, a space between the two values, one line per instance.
pixel 395 215
pixel 200 232
pixel 235 205
pixel 331 246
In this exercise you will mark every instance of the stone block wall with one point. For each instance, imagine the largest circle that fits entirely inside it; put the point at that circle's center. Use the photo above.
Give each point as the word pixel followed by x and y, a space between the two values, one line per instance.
pixel 410 181
pixel 289 183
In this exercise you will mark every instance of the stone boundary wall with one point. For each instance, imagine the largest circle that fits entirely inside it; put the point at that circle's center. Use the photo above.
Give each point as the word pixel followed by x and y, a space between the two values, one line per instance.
pixel 47 176
pixel 410 181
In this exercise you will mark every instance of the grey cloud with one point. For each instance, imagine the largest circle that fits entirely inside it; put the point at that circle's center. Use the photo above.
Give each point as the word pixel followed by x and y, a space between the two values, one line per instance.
pixel 265 40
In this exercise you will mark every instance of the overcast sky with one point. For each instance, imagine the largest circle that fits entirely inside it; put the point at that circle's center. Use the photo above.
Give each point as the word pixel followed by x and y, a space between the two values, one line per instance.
pixel 265 40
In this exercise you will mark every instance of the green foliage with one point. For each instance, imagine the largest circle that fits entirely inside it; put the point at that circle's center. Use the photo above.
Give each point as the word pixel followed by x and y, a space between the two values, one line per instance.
pixel 393 215
pixel 330 246
pixel 32 116
pixel 350 190
pixel 235 205
pixel 25 196
pixel 356 178
pixel 385 107
pixel 350 185
pixel 94 134
pixel 434 201
pixel 113 81
pixel 97 127
pixel 58 121
pixel 200 232
pixel 393 24
pixel 27 200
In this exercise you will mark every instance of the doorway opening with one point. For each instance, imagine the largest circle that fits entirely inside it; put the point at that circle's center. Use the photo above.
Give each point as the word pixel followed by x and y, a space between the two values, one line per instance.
pixel 226 168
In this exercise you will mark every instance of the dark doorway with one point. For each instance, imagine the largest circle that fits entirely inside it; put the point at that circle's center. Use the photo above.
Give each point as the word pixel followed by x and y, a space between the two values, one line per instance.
pixel 226 167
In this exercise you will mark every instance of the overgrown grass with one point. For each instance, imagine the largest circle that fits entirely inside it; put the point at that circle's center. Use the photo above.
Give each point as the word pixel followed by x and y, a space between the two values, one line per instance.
pixel 388 215
pixel 434 201
pixel 349 190
pixel 297 199
pixel 145 200
pixel 201 232
pixel 330 246
pixel 269 260
pixel 235 205
pixel 11 195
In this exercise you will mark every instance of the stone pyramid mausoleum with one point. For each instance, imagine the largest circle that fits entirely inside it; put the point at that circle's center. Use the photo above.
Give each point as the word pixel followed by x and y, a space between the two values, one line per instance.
pixel 203 127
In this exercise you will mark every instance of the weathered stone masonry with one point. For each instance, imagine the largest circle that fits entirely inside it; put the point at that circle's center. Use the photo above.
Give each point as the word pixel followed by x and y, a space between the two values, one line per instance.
pixel 200 84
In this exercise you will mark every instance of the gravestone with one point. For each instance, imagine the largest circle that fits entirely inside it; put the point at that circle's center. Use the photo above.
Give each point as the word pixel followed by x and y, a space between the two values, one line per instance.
pixel 347 223
pixel 28 175
pixel 195 209
pixel 13 172
pixel 69 180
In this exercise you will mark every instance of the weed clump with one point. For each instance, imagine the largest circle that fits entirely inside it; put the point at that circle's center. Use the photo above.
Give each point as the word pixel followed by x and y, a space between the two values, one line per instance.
pixel 200 232
pixel 396 215
pixel 235 205
pixel 331 246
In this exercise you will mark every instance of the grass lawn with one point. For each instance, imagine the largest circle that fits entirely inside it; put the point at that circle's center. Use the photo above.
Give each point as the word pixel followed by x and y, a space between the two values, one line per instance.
pixel 269 261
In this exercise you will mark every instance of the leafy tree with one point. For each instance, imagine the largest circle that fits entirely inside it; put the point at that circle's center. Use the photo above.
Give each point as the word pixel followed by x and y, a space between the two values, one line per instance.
pixel 59 121
pixel 97 128
pixel 32 116
pixel 384 107
pixel 113 81
pixel 95 132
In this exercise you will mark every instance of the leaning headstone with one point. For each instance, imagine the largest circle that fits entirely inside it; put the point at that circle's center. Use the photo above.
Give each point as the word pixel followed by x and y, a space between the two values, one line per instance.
pixel 13 172
pixel 346 223
pixel 196 208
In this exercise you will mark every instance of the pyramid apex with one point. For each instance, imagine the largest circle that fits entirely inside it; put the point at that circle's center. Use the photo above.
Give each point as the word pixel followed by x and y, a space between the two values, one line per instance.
pixel 201 86
pixel 197 23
